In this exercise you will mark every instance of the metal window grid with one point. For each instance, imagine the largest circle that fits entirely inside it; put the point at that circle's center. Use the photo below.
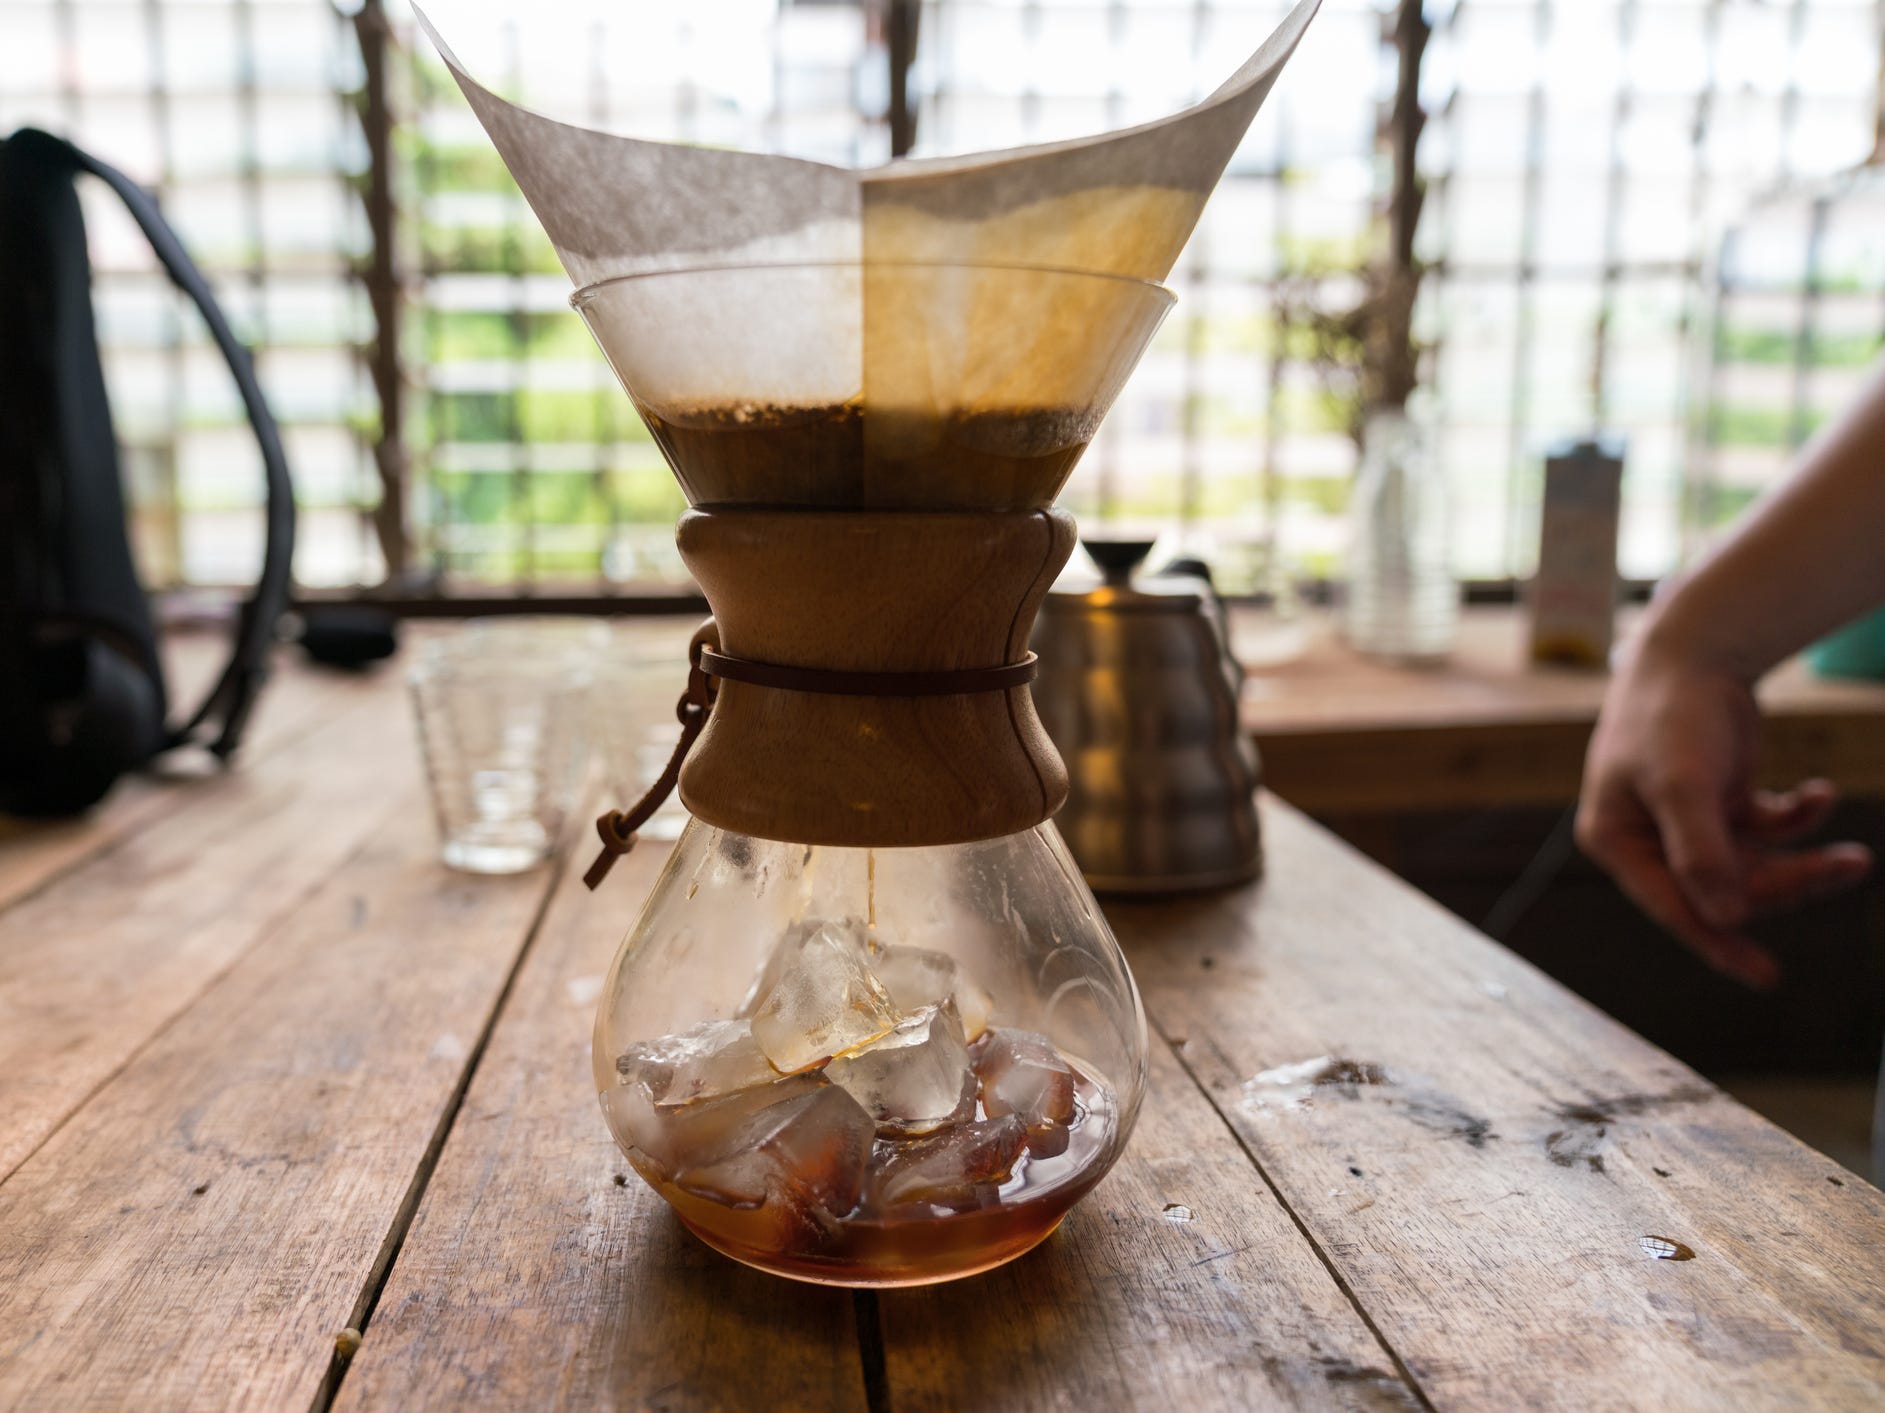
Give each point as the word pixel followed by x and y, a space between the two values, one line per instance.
pixel 235 112
pixel 1581 158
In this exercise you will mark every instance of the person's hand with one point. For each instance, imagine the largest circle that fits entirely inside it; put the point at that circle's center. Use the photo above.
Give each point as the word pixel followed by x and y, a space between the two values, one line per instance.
pixel 1669 809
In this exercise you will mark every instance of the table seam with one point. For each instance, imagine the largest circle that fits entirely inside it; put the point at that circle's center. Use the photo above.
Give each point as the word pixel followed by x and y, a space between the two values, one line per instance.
pixel 1401 1368
pixel 380 1273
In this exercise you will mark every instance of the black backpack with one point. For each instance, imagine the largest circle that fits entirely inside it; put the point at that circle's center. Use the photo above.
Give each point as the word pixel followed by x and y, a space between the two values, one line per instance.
pixel 82 697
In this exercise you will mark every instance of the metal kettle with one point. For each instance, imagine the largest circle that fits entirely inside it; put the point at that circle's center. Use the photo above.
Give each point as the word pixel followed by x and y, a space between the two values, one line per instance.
pixel 1138 688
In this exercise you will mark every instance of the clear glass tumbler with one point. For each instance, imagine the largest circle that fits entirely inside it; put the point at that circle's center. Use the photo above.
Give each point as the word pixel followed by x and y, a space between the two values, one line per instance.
pixel 503 738
pixel 539 635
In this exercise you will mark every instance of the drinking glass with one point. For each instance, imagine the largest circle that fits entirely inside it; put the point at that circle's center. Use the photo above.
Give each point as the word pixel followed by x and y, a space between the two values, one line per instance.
pixel 539 635
pixel 502 732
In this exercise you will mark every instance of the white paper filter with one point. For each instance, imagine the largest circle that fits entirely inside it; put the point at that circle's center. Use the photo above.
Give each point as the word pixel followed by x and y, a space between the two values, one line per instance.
pixel 1121 202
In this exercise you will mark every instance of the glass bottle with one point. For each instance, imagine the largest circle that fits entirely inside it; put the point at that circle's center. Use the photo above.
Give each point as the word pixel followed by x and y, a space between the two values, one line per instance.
pixel 1403 601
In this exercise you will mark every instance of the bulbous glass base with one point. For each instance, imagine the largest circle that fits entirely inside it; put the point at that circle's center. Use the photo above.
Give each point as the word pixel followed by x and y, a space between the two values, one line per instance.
pixel 870 1067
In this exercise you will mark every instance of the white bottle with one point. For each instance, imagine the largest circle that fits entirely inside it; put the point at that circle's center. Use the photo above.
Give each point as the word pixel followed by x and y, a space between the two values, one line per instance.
pixel 1403 601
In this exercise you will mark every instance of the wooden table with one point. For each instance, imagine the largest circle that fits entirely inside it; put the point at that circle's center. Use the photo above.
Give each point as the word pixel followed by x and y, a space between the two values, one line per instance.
pixel 1341 734
pixel 268 1073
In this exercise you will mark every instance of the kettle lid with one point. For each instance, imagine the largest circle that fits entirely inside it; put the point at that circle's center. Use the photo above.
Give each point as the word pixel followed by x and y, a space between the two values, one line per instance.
pixel 1184 591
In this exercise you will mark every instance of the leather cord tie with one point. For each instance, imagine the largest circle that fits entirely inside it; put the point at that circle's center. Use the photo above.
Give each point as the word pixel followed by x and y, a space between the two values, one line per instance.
pixel 616 828
pixel 869 684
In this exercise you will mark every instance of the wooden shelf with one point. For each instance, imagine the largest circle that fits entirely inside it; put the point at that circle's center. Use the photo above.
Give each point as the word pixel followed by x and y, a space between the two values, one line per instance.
pixel 1340 733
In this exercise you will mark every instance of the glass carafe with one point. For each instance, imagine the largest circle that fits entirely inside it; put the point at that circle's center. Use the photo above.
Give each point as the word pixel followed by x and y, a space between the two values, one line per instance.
pixel 870 1066
pixel 871 1028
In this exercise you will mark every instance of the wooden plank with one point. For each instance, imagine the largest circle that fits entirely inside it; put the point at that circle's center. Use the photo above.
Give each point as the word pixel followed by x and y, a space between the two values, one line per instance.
pixel 1127 1307
pixel 98 961
pixel 541 1272
pixel 1427 767
pixel 33 852
pixel 1481 1155
pixel 1485 681
pixel 199 1232
pixel 1527 764
pixel 1846 746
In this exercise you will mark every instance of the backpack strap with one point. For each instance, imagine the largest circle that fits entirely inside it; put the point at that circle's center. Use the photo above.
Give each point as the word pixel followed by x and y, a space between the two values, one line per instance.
pixel 234 693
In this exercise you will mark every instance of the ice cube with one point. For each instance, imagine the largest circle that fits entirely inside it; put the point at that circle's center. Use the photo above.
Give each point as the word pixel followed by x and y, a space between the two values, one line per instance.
pixel 809 1152
pixel 914 1080
pixel 1022 1074
pixel 787 952
pixel 1049 1142
pixel 825 1003
pixel 634 1120
pixel 699 1133
pixel 916 977
pixel 954 1168
pixel 710 1060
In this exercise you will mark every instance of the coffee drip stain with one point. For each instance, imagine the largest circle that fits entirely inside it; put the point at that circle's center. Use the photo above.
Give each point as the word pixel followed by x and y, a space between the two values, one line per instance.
pixel 1299 1086
pixel 1582 1142
pixel 1348 1073
pixel 1604 1111
pixel 1570 1148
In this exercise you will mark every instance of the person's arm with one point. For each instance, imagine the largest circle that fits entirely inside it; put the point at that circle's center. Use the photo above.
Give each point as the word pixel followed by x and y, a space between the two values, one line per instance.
pixel 1668 804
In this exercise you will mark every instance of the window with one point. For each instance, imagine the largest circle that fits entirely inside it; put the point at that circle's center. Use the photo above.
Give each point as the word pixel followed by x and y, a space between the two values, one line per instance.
pixel 1582 158
pixel 532 467
pixel 237 115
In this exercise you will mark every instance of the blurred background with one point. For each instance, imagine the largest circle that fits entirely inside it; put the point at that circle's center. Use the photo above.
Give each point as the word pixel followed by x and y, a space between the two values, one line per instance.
pixel 1633 220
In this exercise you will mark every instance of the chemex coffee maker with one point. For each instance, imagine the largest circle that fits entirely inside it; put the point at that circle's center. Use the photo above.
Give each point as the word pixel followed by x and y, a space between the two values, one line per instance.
pixel 870 1027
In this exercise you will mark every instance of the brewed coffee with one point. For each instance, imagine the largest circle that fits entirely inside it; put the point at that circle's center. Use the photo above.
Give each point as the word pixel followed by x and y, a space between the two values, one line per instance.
pixel 750 454
pixel 849 1126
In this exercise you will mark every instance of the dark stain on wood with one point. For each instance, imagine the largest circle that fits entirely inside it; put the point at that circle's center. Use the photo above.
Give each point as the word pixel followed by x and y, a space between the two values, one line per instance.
pixel 1583 1145
pixel 1570 1148
pixel 1380 1388
pixel 1852 1344
pixel 1444 1115
pixel 870 1339
pixel 1604 1111
pixel 1348 1074
pixel 1348 1079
